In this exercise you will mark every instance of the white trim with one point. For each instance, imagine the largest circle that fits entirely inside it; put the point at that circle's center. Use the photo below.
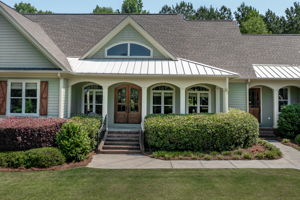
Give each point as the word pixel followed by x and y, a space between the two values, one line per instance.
pixel 94 97
pixel 218 98
pixel 198 97
pixel 128 20
pixel 23 81
pixel 162 97
pixel 61 98
pixel 128 50
pixel 288 98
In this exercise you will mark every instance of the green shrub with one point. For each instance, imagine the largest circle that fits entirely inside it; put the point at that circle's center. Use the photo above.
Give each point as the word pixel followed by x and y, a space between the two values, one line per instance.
pixel 289 121
pixel 260 156
pixel 73 141
pixel 91 124
pixel 44 157
pixel 247 155
pixel 297 139
pixel 207 157
pixel 286 140
pixel 209 132
pixel 40 157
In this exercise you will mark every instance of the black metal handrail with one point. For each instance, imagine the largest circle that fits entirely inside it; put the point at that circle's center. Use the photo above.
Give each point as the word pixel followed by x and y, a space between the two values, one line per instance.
pixel 142 138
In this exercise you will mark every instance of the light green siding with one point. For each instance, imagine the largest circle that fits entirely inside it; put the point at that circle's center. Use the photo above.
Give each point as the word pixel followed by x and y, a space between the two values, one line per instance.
pixel 129 34
pixel 266 107
pixel 237 96
pixel 17 52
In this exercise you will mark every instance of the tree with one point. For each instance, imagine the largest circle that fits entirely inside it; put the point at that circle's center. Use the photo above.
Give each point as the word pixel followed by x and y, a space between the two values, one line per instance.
pixel 245 12
pixel 183 8
pixel 293 19
pixel 274 23
pixel 27 8
pixel 103 10
pixel 254 25
pixel 204 13
pixel 133 6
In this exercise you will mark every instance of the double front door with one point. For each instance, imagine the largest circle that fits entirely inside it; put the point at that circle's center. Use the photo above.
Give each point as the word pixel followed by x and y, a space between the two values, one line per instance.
pixel 128 104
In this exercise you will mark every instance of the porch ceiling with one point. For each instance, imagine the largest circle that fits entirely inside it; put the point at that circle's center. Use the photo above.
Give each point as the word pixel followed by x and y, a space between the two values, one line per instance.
pixel 277 71
pixel 180 67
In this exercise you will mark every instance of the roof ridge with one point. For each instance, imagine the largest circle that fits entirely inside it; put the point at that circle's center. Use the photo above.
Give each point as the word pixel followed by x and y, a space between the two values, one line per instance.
pixel 101 14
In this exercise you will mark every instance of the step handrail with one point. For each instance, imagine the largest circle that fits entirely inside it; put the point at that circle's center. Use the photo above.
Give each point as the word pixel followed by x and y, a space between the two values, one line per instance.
pixel 103 133
pixel 142 137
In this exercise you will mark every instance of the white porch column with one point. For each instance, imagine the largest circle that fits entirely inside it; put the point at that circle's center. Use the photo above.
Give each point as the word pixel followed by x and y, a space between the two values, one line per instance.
pixel 69 100
pixel 225 97
pixel 61 101
pixel 144 102
pixel 182 100
pixel 275 108
pixel 105 100
pixel 218 106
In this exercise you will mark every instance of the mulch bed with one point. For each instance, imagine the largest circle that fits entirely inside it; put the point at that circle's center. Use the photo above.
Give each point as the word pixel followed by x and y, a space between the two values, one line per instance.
pixel 291 144
pixel 59 167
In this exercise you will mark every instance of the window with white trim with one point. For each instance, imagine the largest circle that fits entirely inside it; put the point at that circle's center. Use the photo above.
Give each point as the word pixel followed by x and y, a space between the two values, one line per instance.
pixel 129 49
pixel 23 97
pixel 163 99
pixel 92 101
pixel 283 98
pixel 198 100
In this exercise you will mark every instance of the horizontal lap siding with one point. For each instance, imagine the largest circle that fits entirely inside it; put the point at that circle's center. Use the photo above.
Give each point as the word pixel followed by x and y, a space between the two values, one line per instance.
pixel 16 51
pixel 128 34
pixel 238 96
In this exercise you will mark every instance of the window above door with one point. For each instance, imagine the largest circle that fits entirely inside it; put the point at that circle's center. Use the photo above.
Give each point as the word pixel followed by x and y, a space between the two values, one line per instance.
pixel 128 50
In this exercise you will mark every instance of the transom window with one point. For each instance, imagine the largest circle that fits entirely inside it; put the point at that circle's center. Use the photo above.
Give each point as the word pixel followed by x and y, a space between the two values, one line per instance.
pixel 129 50
pixel 93 97
pixel 198 100
pixel 23 97
pixel 163 99
pixel 283 98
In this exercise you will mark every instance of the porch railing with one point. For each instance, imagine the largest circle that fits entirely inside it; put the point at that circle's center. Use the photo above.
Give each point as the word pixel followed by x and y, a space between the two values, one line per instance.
pixel 102 133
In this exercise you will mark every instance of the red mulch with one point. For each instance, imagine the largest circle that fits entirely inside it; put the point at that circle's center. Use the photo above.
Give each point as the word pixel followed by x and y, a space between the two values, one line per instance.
pixel 255 149
pixel 59 167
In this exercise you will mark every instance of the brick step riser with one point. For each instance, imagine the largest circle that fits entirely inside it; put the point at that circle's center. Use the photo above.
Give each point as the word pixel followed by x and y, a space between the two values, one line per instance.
pixel 120 152
pixel 125 132
pixel 123 138
pixel 121 135
pixel 121 148
pixel 121 143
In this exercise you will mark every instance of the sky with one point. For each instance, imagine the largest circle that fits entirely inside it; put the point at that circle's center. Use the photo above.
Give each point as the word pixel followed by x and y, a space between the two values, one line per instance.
pixel 154 6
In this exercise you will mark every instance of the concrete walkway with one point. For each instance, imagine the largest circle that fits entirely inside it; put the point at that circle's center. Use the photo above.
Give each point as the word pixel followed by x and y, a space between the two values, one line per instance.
pixel 291 159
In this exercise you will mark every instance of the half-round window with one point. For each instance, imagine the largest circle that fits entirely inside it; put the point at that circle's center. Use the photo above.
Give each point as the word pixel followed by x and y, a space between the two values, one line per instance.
pixel 129 50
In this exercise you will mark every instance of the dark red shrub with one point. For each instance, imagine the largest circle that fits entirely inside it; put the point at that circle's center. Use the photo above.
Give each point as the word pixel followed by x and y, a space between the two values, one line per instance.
pixel 22 133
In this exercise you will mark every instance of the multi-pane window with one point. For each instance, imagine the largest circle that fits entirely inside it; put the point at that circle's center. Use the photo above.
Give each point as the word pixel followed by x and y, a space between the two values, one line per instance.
pixel 283 98
pixel 198 100
pixel 163 100
pixel 93 98
pixel 129 50
pixel 23 97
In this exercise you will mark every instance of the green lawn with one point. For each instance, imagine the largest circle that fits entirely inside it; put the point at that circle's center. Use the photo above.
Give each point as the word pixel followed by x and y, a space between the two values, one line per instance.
pixel 84 183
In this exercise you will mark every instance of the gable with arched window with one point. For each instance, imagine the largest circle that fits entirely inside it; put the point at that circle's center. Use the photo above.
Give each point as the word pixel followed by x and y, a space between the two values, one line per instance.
pixel 128 50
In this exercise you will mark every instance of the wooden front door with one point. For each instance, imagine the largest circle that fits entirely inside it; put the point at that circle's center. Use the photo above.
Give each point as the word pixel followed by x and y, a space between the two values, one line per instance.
pixel 254 102
pixel 128 104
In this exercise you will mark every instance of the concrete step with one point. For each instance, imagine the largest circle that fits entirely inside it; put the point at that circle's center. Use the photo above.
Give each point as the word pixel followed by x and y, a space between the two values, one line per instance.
pixel 122 143
pixel 121 147
pixel 122 135
pixel 126 139
pixel 124 151
pixel 123 132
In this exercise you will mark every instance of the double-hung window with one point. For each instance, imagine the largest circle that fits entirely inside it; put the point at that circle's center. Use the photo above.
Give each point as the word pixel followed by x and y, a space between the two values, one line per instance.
pixel 163 100
pixel 283 98
pixel 198 100
pixel 23 97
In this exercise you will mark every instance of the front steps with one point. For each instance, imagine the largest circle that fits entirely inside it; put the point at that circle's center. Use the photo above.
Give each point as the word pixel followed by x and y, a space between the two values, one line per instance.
pixel 267 133
pixel 121 142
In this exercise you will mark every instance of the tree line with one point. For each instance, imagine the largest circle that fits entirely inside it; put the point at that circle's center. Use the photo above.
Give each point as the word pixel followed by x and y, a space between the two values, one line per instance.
pixel 249 19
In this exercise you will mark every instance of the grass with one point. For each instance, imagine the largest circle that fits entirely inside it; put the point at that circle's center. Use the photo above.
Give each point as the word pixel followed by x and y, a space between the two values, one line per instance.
pixel 85 183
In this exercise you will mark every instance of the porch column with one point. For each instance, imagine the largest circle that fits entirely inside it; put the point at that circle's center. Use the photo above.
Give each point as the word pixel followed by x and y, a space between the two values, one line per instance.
pixel 105 100
pixel 144 102
pixel 276 107
pixel 225 97
pixel 61 101
pixel 218 106
pixel 182 100
pixel 69 100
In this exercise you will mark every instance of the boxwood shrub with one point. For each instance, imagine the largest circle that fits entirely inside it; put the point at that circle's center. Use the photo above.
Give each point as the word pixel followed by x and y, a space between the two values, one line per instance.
pixel 41 157
pixel 201 132
pixel 22 133
pixel 289 121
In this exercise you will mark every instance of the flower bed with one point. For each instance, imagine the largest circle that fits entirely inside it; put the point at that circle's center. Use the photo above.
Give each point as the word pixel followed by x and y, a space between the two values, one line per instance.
pixel 261 150
pixel 290 143
pixel 23 133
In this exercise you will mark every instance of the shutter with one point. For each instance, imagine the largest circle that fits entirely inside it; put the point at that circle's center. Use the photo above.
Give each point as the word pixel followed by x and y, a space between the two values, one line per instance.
pixel 3 93
pixel 44 98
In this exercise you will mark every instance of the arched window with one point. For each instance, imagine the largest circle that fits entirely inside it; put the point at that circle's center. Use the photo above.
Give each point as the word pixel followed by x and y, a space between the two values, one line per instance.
pixel 129 49
pixel 92 99
pixel 283 97
pixel 162 99
pixel 198 99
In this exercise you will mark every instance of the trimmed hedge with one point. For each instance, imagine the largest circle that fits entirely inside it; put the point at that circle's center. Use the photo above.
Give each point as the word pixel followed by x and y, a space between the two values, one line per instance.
pixel 91 124
pixel 289 121
pixel 201 132
pixel 297 139
pixel 22 133
pixel 41 157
